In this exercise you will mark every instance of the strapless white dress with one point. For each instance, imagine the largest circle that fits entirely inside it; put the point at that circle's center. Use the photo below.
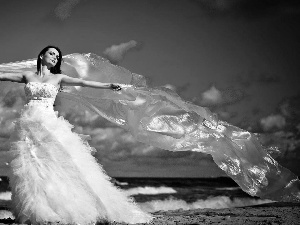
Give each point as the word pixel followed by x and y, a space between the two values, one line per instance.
pixel 54 177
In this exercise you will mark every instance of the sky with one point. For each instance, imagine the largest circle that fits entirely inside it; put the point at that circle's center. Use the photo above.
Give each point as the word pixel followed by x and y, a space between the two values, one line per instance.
pixel 238 57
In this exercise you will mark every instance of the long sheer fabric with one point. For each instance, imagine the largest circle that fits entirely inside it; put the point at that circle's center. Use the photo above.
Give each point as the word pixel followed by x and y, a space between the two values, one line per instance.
pixel 159 117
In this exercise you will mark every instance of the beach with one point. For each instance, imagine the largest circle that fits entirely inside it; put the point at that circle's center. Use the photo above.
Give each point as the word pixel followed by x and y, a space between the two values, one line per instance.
pixel 167 200
pixel 271 213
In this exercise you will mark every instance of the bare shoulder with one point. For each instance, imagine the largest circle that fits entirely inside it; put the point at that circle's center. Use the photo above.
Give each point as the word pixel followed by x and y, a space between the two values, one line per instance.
pixel 28 74
pixel 62 76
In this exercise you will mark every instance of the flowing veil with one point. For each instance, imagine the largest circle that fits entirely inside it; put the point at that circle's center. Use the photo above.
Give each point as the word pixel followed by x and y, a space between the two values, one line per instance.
pixel 159 117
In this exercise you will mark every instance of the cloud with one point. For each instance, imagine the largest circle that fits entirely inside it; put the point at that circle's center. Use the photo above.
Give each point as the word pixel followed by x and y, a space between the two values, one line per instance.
pixel 14 96
pixel 273 122
pixel 7 118
pixel 215 97
pixel 111 141
pixel 256 110
pixel 285 118
pixel 212 96
pixel 282 144
pixel 283 129
pixel 290 107
pixel 252 78
pixel 289 140
pixel 298 127
pixel 64 8
pixel 225 114
pixel 171 87
pixel 12 99
pixel 182 88
pixel 178 90
pixel 116 53
pixel 248 9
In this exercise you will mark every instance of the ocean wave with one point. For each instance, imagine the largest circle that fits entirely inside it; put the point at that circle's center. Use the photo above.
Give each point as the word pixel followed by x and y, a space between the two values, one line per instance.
pixel 217 202
pixel 150 190
pixel 228 189
pixel 172 203
pixel 120 183
pixel 5 195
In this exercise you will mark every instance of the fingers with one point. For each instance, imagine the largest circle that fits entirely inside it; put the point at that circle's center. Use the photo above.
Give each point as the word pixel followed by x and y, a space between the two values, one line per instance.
pixel 115 87
pixel 118 88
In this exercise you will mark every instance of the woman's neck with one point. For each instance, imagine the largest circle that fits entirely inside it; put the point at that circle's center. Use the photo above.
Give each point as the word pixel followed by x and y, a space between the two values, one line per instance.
pixel 45 71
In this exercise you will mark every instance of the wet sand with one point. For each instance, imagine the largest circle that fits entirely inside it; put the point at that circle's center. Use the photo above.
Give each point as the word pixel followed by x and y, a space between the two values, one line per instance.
pixel 272 213
pixel 266 214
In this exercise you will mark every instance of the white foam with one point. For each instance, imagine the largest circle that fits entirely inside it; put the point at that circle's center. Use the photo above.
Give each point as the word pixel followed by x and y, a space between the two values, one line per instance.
pixel 121 183
pixel 5 214
pixel 218 202
pixel 228 189
pixel 5 196
pixel 150 190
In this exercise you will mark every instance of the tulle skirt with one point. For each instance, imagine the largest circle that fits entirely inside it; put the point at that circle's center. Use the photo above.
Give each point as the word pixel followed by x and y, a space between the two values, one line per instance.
pixel 54 177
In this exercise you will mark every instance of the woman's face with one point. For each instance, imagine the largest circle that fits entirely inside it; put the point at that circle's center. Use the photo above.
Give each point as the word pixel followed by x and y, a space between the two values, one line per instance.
pixel 51 57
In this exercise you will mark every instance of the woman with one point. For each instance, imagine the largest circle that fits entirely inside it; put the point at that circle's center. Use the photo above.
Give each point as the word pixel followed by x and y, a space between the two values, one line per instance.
pixel 53 176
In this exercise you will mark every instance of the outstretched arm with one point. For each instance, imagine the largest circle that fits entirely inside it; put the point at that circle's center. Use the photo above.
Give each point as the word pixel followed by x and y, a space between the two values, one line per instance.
pixel 13 76
pixel 71 81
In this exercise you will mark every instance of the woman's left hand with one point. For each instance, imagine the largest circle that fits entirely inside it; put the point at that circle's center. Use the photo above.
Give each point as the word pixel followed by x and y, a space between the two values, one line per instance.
pixel 115 87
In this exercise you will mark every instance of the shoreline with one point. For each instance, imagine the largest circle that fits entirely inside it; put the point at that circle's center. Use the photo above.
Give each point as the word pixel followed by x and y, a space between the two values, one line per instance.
pixel 269 213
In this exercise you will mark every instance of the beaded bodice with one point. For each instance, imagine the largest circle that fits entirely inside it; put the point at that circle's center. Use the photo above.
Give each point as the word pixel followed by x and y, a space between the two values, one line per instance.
pixel 40 93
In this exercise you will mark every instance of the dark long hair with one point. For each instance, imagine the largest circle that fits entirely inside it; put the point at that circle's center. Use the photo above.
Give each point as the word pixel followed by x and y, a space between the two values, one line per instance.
pixel 56 69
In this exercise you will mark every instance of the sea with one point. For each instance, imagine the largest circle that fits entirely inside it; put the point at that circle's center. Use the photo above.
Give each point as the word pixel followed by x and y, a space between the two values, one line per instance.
pixel 156 194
